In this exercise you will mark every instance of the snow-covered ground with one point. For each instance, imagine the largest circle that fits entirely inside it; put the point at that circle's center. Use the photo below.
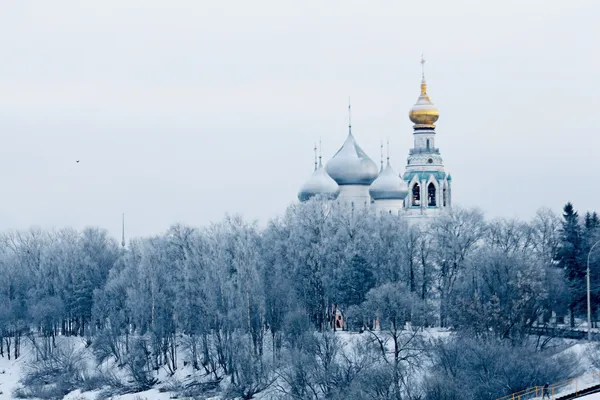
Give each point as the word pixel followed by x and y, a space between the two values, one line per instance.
pixel 589 378
pixel 595 396
pixel 152 394
pixel 11 371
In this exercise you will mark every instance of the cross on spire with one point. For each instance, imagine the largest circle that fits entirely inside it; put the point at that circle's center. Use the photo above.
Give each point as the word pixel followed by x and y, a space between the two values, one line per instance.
pixel 315 149
pixel 388 151
pixel 320 152
pixel 349 116
pixel 422 66
pixel 381 161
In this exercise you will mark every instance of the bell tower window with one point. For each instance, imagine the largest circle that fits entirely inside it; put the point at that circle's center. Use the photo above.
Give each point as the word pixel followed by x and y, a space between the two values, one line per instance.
pixel 416 195
pixel 427 144
pixel 431 195
pixel 444 194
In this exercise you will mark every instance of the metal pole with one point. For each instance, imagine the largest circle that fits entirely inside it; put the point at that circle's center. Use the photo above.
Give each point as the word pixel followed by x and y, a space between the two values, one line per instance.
pixel 589 311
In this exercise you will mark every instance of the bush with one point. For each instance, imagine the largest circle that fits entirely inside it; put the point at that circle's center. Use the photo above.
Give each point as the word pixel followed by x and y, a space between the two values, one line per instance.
pixel 252 373
pixel 469 368
pixel 60 373
pixel 106 345
pixel 137 364
pixel 63 371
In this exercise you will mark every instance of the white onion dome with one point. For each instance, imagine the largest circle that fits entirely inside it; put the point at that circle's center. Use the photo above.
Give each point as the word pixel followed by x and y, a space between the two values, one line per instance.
pixel 319 183
pixel 351 166
pixel 388 186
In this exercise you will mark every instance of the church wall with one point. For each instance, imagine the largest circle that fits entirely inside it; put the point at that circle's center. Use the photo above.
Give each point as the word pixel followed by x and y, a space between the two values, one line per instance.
pixel 357 194
pixel 396 206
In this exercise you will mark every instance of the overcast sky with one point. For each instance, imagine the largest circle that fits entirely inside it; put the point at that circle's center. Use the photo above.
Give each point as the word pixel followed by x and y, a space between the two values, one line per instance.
pixel 183 111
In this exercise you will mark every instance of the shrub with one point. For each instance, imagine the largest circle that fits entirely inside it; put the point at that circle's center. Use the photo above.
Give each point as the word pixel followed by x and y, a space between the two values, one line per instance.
pixel 470 368
pixel 60 373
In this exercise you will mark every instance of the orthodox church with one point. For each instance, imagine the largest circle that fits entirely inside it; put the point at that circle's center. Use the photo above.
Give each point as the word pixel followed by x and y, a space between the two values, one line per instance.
pixel 424 189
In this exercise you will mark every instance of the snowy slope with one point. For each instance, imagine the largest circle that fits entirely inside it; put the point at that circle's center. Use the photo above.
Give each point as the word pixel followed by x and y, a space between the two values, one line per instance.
pixel 10 373
pixel 595 396
pixel 148 395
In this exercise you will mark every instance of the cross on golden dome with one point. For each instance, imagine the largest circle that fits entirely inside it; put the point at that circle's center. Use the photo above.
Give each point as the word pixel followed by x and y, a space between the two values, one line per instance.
pixel 424 114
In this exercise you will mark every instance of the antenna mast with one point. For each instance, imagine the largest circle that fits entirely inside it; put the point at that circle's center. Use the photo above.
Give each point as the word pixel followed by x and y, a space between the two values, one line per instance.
pixel 123 232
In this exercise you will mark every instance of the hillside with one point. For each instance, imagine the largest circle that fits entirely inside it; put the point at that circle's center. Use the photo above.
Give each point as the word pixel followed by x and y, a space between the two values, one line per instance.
pixel 12 372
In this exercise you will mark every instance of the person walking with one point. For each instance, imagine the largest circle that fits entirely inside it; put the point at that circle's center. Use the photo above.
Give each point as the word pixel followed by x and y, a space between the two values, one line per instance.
pixel 546 391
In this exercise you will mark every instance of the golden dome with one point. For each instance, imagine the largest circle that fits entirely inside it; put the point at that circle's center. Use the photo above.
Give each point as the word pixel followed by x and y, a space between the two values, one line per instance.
pixel 424 114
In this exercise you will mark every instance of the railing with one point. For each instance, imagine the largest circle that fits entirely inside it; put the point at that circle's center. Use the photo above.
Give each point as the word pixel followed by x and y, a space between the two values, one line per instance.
pixel 563 332
pixel 432 150
pixel 563 388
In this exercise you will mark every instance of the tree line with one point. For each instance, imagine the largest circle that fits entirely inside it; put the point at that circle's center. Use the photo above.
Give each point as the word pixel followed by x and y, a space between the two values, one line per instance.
pixel 244 302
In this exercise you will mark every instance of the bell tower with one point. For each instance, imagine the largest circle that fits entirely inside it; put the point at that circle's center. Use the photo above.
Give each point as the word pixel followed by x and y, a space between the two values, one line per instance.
pixel 429 187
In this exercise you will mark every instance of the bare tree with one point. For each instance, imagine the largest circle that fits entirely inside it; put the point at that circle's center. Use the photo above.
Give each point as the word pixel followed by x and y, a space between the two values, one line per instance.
pixel 454 236
pixel 401 315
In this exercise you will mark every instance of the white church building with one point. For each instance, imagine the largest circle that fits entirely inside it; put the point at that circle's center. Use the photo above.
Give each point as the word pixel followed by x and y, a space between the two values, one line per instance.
pixel 424 189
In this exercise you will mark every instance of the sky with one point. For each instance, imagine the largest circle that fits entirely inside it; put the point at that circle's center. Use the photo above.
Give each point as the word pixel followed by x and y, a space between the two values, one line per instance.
pixel 184 111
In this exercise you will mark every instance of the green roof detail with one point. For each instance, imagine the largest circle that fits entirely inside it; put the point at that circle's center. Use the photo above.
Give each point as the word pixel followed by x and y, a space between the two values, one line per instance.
pixel 424 175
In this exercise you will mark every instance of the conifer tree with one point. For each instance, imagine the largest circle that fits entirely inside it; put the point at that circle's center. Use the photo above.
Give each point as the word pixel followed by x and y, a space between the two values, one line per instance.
pixel 591 234
pixel 570 257
pixel 355 280
pixel 592 222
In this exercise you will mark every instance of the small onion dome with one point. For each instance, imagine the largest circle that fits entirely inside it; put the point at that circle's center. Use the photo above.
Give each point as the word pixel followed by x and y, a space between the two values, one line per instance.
pixel 449 178
pixel 424 114
pixel 388 186
pixel 319 183
pixel 351 166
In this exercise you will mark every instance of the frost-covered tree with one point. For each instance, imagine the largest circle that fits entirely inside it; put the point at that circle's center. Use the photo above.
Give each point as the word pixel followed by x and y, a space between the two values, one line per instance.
pixel 309 256
pixel 251 308
pixel 401 315
pixel 470 368
pixel 454 237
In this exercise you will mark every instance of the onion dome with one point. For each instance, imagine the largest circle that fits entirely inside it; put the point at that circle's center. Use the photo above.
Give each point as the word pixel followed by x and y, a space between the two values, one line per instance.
pixel 319 183
pixel 351 166
pixel 388 186
pixel 424 114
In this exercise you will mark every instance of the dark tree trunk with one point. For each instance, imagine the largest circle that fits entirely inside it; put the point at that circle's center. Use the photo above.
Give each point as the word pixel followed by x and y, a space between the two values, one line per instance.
pixel 411 264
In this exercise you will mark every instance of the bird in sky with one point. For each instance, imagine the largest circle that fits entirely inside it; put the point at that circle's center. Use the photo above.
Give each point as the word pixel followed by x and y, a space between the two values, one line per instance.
pixel 77 161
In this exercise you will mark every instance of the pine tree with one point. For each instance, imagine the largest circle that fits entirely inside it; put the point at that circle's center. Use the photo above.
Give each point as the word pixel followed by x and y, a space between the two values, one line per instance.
pixel 591 234
pixel 592 222
pixel 570 257
pixel 355 281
